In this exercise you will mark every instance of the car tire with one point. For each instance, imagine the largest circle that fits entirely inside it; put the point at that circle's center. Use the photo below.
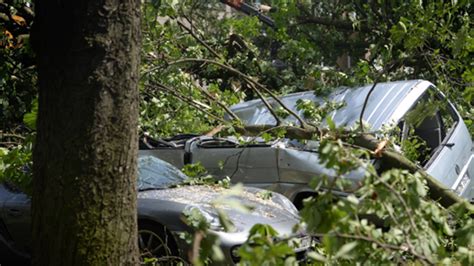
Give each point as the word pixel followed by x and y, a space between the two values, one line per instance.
pixel 300 197
pixel 156 244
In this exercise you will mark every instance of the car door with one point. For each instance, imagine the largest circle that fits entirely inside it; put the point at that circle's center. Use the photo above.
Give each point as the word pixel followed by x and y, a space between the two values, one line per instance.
pixel 251 163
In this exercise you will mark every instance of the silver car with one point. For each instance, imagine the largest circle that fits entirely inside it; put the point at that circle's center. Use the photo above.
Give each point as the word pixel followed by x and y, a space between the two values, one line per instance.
pixel 161 202
pixel 287 166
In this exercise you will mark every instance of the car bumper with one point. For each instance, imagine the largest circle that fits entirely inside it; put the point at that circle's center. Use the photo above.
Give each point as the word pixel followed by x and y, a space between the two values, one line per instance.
pixel 231 242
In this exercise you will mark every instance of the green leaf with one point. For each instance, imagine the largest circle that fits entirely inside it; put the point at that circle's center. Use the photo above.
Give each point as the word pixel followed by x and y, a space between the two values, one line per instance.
pixel 447 230
pixel 3 151
pixel 420 187
pixel 331 124
pixel 217 254
pixel 30 118
pixel 316 256
pixel 353 199
pixel 345 249
pixel 403 26
pixel 267 137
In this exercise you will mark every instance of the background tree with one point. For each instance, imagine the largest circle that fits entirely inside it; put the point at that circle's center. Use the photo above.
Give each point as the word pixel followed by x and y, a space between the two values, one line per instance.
pixel 84 199
pixel 315 46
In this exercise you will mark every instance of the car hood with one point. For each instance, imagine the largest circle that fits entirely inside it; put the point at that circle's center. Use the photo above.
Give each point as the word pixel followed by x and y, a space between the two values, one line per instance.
pixel 275 210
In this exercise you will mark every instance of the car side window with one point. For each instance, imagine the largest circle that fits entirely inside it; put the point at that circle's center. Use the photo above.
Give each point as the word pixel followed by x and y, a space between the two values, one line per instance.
pixel 427 127
pixel 217 143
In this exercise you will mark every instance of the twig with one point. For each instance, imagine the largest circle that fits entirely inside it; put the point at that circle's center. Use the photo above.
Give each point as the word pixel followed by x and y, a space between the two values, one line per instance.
pixel 10 135
pixel 247 78
pixel 402 201
pixel 361 123
pixel 194 252
pixel 388 67
pixel 191 32
pixel 422 258
pixel 192 103
pixel 9 143
pixel 166 88
pixel 266 103
pixel 280 102
pixel 211 97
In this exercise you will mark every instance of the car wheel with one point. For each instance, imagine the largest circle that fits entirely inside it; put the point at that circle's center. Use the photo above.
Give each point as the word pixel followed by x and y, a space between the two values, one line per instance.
pixel 156 244
pixel 299 198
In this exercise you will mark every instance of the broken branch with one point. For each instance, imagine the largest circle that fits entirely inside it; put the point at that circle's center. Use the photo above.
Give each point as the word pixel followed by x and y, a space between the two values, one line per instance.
pixel 389 158
pixel 266 103
pixel 197 105
pixel 212 98
pixel 246 78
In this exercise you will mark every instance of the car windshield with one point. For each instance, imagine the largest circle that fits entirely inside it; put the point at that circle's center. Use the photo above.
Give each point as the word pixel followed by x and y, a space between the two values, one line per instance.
pixel 154 173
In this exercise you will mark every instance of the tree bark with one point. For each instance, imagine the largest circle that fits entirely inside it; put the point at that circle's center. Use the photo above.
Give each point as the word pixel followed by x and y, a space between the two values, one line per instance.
pixel 84 198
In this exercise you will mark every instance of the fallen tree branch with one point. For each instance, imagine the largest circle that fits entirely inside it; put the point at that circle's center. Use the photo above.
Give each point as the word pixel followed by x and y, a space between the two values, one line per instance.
pixel 266 103
pixel 163 87
pixel 387 246
pixel 389 158
pixel 213 99
pixel 249 80
pixel 10 135
pixel 193 103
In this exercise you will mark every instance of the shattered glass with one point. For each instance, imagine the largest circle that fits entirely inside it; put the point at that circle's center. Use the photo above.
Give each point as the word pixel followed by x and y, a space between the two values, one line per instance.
pixel 154 173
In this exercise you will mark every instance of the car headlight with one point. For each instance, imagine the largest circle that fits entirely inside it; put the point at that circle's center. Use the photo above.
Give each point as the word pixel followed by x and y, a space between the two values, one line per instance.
pixel 463 183
pixel 213 219
pixel 285 203
pixel 194 216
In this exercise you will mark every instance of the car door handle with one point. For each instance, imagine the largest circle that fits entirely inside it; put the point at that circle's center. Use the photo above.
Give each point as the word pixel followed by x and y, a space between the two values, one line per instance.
pixel 14 212
pixel 457 169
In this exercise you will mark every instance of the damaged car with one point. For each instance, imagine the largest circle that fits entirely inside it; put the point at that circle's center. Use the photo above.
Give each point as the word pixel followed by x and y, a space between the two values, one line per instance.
pixel 164 194
pixel 416 108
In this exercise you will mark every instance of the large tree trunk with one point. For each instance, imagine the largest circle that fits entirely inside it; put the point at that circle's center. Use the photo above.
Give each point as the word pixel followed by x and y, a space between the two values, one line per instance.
pixel 84 199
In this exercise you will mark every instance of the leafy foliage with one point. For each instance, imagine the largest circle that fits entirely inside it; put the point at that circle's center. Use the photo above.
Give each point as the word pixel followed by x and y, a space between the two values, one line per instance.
pixel 208 244
pixel 16 160
pixel 388 219
pixel 16 166
pixel 17 70
pixel 415 149
pixel 264 248
pixel 305 51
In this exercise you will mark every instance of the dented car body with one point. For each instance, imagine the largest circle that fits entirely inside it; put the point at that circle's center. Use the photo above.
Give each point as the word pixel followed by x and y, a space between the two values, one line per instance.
pixel 287 166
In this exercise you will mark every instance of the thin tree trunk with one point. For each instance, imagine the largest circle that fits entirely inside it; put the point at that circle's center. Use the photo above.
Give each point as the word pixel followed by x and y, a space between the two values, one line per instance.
pixel 84 198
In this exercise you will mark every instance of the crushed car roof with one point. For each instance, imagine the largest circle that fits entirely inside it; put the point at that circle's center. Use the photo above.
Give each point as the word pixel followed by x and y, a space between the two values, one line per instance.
pixel 383 102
